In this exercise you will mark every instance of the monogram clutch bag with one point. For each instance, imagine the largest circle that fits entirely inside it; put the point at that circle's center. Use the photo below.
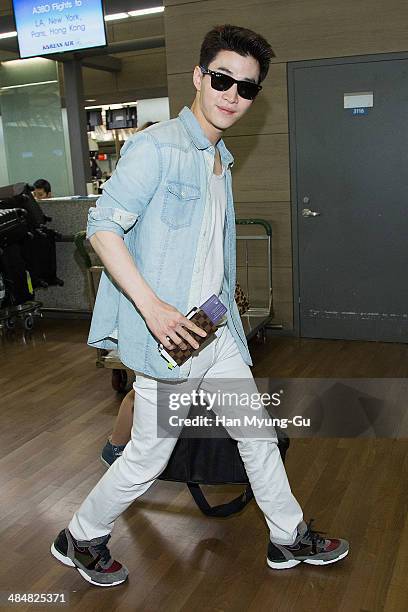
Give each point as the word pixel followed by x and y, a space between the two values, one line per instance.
pixel 207 317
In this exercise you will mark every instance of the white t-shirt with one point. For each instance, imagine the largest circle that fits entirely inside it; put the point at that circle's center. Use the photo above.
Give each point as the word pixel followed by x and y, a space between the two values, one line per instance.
pixel 213 264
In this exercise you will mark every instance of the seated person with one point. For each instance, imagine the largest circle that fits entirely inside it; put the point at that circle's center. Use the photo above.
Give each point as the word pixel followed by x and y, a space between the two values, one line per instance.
pixel 42 189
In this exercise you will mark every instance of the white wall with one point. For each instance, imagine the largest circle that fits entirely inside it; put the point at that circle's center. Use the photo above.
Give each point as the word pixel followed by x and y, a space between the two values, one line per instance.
pixel 153 109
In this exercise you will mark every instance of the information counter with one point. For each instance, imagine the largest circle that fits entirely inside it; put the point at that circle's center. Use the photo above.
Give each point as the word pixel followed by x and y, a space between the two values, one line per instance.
pixel 69 215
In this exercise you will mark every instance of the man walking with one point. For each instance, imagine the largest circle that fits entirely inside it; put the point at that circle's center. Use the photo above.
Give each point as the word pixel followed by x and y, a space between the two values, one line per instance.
pixel 165 231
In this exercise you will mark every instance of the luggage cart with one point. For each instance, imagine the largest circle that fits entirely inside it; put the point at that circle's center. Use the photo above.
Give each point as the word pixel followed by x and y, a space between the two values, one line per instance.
pixel 26 312
pixel 13 226
pixel 257 318
pixel 104 358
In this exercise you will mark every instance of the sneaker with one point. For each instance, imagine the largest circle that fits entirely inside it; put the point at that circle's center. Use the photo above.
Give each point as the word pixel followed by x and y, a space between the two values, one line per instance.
pixel 111 452
pixel 309 547
pixel 92 559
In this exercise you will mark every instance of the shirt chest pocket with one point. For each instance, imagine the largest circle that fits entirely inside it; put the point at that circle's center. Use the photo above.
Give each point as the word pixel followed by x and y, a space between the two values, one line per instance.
pixel 180 200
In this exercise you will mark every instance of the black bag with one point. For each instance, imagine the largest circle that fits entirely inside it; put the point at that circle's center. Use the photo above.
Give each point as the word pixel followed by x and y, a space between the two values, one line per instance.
pixel 38 247
pixel 13 226
pixel 35 252
pixel 40 255
pixel 16 280
pixel 214 460
pixel 20 196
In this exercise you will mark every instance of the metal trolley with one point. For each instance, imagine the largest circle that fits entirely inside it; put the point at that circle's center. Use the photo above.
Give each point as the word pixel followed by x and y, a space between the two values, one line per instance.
pixel 104 358
pixel 26 312
pixel 254 320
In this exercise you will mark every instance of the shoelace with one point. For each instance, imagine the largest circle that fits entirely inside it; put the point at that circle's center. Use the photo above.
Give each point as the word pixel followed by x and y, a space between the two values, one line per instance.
pixel 103 551
pixel 314 536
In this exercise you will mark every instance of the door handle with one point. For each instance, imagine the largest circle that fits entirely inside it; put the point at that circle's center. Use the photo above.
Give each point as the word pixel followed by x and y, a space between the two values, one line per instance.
pixel 306 212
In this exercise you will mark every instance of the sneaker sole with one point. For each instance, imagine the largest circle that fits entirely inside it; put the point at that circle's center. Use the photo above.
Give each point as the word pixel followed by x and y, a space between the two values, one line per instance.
pixel 280 565
pixel 293 562
pixel 321 562
pixel 105 463
pixel 67 561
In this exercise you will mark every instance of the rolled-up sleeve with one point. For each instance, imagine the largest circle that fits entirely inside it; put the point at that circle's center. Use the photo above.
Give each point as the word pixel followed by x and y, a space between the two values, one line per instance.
pixel 130 189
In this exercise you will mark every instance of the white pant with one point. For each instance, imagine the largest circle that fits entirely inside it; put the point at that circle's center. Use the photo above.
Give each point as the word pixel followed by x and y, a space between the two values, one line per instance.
pixel 146 455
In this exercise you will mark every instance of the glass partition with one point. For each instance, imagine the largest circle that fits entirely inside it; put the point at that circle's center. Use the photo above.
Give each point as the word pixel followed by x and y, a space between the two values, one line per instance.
pixel 33 143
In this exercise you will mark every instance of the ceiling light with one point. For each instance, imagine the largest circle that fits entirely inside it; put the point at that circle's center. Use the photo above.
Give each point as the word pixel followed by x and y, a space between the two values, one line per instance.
pixel 112 106
pixel 148 11
pixel 115 16
pixel 8 34
pixel 27 61
pixel 27 84
pixel 90 100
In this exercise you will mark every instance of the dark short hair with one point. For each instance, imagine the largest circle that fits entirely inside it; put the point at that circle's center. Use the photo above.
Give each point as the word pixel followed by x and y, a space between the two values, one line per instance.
pixel 242 41
pixel 146 125
pixel 42 184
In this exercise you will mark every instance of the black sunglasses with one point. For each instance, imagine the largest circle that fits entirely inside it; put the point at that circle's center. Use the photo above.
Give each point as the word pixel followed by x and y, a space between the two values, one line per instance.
pixel 223 82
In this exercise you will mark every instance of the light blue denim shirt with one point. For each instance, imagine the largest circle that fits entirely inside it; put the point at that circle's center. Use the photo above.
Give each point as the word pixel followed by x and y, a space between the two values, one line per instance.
pixel 156 200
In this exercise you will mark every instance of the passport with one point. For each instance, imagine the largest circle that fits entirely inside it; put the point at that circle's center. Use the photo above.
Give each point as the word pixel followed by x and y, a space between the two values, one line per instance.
pixel 207 317
pixel 214 309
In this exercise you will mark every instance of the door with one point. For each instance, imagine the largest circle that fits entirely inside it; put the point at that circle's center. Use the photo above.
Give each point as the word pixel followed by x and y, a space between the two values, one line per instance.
pixel 350 189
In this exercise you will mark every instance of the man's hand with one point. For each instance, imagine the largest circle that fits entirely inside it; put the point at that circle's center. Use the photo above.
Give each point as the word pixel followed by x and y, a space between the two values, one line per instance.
pixel 169 326
pixel 164 321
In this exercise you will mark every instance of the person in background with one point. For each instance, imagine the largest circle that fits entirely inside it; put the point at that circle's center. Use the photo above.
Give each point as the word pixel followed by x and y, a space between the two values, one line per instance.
pixel 120 436
pixel 42 189
pixel 146 125
pixel 96 172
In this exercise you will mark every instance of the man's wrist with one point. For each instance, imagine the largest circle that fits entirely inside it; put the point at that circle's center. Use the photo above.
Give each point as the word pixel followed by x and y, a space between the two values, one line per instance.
pixel 144 303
